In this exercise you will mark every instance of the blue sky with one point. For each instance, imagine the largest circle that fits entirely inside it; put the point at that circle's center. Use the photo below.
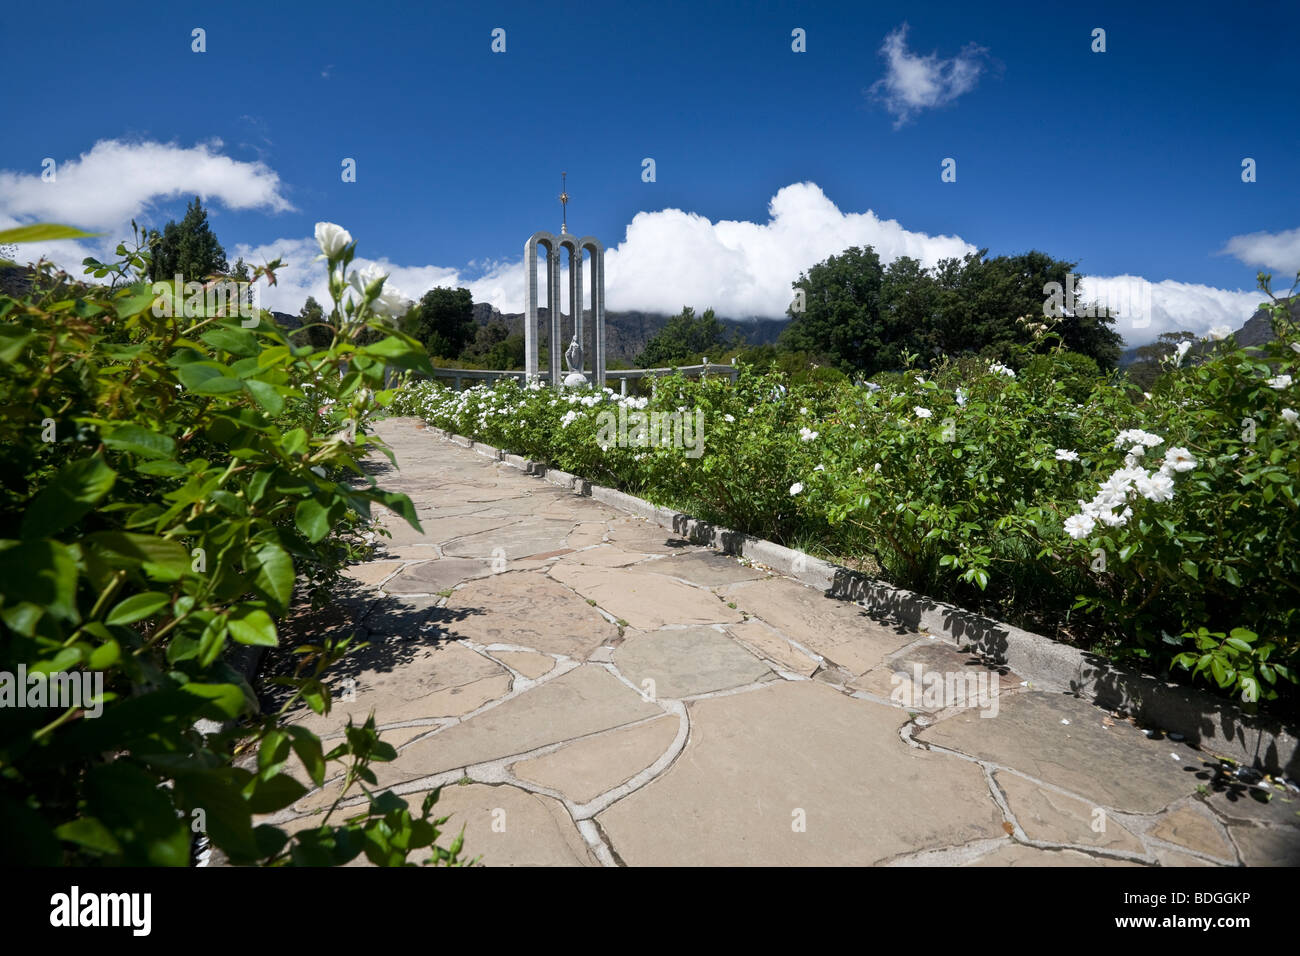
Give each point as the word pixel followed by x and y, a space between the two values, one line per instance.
pixel 1127 161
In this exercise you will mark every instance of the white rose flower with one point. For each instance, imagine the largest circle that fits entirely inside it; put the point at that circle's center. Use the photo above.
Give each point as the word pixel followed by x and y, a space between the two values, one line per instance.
pixel 332 239
pixel 1180 459
pixel 728 418
pixel 807 434
pixel 961 396
pixel 1180 351
pixel 796 488
pixel 1064 454
pixel 922 412
pixel 1158 487
pixel 1001 369
pixel 1279 382
pixel 1290 414
pixel 1079 526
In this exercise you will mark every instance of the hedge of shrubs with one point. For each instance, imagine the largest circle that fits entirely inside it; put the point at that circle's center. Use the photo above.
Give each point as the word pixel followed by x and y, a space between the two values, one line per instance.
pixel 1156 528
pixel 170 468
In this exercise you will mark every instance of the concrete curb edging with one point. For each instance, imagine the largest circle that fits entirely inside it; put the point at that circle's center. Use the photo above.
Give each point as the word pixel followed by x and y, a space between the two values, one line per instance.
pixel 1210 723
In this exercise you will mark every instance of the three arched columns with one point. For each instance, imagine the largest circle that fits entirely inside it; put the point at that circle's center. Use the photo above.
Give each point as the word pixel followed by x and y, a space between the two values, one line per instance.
pixel 553 244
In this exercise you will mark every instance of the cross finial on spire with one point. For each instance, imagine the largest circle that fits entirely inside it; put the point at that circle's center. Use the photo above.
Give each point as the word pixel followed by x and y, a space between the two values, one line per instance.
pixel 564 205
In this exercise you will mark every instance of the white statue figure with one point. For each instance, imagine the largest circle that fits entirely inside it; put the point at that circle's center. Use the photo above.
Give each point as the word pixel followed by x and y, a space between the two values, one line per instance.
pixel 573 358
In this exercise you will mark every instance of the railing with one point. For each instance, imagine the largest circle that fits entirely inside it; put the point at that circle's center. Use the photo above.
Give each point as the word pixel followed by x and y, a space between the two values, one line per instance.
pixel 458 375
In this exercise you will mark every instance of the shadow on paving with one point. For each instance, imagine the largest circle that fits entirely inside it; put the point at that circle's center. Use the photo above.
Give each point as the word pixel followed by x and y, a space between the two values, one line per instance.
pixel 395 632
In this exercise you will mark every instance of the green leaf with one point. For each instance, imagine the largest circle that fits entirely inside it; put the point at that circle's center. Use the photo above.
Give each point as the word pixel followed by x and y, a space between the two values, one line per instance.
pixel 251 625
pixel 265 395
pixel 42 573
pixel 90 833
pixel 308 748
pixel 401 353
pixel 140 441
pixel 312 519
pixel 273 575
pixel 74 491
pixel 1189 568
pixel 267 796
pixel 42 232
pixel 137 607
pixel 229 699
pixel 235 341
pixel 166 560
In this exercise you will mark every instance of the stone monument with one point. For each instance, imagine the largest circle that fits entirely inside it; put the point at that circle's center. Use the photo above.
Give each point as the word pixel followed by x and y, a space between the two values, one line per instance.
pixel 553 245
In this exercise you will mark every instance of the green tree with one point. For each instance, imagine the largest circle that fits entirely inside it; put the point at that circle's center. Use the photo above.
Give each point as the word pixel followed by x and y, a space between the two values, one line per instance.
pixel 315 331
pixel 865 317
pixel 444 321
pixel 685 337
pixel 841 316
pixel 189 248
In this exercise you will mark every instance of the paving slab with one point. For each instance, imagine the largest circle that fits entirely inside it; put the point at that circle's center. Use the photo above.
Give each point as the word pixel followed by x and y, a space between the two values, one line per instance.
pixel 686 662
pixel 522 538
pixel 1196 829
pixel 704 568
pixel 529 664
pixel 584 701
pixel 645 601
pixel 528 609
pixel 1050 817
pixel 767 643
pixel 810 777
pixel 1059 740
pixel 585 769
pixel 840 632
pixel 434 576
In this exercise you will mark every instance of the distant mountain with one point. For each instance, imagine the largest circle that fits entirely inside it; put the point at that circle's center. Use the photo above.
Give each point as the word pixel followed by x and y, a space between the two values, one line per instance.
pixel 1259 327
pixel 626 333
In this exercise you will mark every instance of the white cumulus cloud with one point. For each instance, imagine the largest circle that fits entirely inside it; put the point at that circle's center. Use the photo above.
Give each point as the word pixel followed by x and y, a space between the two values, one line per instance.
pixel 1278 252
pixel 1146 309
pixel 913 83
pixel 117 181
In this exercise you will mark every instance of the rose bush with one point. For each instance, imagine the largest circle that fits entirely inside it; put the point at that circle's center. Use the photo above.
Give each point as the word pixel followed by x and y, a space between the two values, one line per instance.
pixel 168 475
pixel 1156 528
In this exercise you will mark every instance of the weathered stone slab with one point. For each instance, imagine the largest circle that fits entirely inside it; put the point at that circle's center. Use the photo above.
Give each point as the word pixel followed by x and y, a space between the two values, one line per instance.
pixel 840 632
pixel 372 572
pixel 507 826
pixel 585 700
pixel 637 534
pixel 527 663
pixel 755 759
pixel 1117 766
pixel 686 662
pixel 705 568
pixel 525 537
pixel 948 678
pixel 528 609
pixel 1051 817
pixel 1267 845
pixel 585 769
pixel 605 556
pixel 1195 829
pixel 645 601
pixel 435 576
pixel 427 683
pixel 764 641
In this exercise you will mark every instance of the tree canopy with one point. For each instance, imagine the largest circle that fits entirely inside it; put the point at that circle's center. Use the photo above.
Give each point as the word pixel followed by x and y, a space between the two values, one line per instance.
pixel 444 321
pixel 685 337
pixel 189 248
pixel 863 316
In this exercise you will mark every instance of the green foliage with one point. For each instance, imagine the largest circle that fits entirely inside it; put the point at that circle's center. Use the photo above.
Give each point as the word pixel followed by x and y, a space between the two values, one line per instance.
pixel 189 249
pixel 444 321
pixel 958 481
pixel 167 481
pixel 866 317
pixel 685 339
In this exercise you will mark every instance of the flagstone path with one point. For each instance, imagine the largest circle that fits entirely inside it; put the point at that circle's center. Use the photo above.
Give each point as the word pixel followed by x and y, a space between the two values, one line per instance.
pixel 597 691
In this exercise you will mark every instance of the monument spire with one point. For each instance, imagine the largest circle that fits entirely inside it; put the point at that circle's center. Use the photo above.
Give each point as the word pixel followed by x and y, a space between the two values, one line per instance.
pixel 564 206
